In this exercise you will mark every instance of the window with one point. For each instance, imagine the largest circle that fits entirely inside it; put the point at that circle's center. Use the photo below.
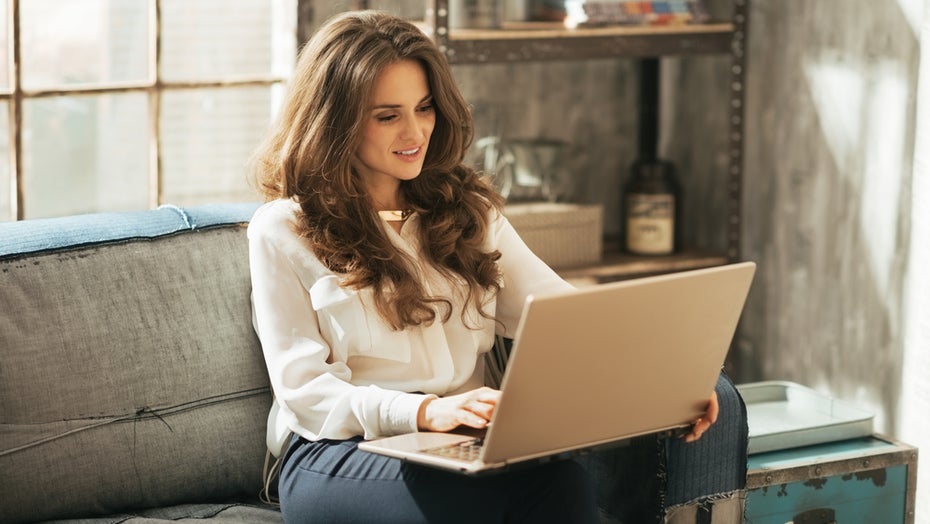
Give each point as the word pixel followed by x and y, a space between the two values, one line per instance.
pixel 111 105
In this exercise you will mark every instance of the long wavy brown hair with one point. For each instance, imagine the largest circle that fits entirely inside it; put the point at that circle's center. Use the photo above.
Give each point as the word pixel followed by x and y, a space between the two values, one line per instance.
pixel 308 155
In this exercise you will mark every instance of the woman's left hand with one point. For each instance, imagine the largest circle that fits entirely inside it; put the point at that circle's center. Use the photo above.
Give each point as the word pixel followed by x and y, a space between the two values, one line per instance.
pixel 702 424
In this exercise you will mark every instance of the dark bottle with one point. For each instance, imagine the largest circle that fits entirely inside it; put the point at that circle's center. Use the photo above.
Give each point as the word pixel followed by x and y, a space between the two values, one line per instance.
pixel 651 202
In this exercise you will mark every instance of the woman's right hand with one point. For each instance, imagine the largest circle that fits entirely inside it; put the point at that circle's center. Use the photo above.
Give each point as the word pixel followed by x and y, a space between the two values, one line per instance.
pixel 472 408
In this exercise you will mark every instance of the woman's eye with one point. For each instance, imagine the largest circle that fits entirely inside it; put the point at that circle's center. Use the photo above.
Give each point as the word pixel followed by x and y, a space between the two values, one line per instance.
pixel 386 118
pixel 425 108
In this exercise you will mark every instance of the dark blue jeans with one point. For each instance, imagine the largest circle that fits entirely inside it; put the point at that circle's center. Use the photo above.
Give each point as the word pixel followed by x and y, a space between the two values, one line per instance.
pixel 639 482
pixel 333 481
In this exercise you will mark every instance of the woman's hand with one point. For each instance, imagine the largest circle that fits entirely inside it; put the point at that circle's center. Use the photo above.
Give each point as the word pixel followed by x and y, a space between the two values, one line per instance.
pixel 472 408
pixel 702 424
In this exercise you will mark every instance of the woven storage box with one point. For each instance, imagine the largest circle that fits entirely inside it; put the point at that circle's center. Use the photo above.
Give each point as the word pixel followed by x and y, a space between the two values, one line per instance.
pixel 562 235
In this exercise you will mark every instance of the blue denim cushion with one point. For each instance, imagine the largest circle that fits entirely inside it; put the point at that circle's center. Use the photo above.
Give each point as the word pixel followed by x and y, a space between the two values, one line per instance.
pixel 46 234
pixel 210 215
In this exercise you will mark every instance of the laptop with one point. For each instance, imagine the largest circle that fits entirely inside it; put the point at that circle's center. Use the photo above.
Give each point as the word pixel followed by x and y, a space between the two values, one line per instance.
pixel 596 366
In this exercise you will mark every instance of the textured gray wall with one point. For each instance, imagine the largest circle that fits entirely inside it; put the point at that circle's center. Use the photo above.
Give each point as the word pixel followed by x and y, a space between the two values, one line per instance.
pixel 830 129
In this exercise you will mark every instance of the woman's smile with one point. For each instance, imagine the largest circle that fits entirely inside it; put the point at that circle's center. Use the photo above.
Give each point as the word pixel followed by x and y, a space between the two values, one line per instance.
pixel 410 155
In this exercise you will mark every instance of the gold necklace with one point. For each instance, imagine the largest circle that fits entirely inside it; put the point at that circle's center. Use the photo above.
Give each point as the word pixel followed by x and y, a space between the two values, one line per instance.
pixel 395 215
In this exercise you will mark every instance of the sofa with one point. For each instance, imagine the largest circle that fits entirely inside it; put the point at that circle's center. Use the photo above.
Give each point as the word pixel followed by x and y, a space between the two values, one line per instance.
pixel 133 389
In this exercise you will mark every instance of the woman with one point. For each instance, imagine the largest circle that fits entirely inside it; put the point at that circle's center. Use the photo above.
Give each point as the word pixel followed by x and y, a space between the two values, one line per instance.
pixel 381 269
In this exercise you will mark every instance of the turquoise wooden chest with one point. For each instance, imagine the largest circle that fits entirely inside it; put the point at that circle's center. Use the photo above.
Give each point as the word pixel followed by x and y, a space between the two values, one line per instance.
pixel 864 480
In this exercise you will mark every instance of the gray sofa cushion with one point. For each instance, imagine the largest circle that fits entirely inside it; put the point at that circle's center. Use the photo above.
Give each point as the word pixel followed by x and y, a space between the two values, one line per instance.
pixel 190 513
pixel 130 377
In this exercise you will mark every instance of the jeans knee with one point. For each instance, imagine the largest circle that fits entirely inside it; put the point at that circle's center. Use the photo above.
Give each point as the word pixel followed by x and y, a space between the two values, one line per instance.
pixel 566 494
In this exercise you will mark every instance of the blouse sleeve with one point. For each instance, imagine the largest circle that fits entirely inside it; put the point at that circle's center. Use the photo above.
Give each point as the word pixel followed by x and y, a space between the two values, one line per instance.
pixel 523 274
pixel 312 390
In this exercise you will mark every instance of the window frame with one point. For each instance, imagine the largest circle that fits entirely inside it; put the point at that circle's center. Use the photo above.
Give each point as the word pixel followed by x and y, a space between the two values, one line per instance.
pixel 154 87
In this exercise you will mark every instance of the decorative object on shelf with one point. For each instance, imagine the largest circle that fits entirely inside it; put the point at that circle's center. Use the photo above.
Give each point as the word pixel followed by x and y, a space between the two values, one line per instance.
pixel 518 10
pixel 476 14
pixel 651 197
pixel 533 166
pixel 524 170
pixel 650 202
pixel 651 12
pixel 548 10
pixel 562 235
pixel 489 159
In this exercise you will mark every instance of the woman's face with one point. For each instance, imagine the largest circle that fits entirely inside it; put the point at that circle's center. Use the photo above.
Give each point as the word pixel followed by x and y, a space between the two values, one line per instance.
pixel 396 130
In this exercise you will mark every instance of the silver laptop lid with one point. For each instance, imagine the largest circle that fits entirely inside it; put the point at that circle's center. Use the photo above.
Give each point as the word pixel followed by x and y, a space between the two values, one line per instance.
pixel 645 355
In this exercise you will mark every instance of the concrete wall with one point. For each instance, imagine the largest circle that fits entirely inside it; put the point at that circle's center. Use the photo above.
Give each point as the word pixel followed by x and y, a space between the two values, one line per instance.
pixel 830 142
pixel 831 114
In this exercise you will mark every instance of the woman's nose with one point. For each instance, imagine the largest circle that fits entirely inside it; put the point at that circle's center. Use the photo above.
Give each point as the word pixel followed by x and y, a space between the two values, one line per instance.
pixel 413 129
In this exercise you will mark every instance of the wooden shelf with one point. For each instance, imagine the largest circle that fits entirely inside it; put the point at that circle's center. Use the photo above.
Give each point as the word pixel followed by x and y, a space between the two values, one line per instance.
pixel 519 42
pixel 620 266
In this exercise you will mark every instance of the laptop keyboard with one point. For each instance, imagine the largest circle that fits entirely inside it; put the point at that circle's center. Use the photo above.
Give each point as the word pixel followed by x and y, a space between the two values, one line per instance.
pixel 468 451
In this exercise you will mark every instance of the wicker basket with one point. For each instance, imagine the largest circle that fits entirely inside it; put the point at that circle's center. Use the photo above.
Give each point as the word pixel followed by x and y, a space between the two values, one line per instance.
pixel 562 235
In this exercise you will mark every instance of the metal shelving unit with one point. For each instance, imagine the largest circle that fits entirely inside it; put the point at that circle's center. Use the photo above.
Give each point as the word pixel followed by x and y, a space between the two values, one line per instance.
pixel 522 42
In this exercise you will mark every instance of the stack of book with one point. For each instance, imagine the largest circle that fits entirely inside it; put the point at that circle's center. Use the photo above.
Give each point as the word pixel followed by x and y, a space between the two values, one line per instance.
pixel 585 13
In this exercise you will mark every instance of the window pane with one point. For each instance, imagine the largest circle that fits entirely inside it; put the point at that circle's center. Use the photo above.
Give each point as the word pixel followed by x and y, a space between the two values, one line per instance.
pixel 206 40
pixel 207 137
pixel 86 42
pixel 6 175
pixel 4 46
pixel 85 154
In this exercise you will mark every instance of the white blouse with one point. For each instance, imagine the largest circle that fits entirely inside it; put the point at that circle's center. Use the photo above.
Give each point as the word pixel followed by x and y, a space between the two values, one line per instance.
pixel 336 368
